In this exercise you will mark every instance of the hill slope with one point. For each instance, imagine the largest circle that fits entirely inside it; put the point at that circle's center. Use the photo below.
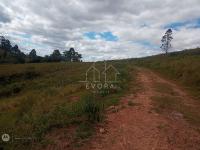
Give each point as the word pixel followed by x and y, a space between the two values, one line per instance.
pixel 182 66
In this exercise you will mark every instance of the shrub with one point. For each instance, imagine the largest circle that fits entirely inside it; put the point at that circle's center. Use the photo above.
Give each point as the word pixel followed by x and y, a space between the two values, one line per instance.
pixel 11 89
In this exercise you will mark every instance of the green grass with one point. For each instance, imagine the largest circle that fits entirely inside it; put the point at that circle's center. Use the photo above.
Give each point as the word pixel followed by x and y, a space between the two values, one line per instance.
pixel 36 99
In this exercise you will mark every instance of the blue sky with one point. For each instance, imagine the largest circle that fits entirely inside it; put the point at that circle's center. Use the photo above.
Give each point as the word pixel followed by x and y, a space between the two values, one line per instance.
pixel 195 23
pixel 99 30
pixel 107 36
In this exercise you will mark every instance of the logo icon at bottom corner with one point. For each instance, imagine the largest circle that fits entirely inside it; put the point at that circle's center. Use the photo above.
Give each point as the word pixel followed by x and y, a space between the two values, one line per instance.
pixel 5 137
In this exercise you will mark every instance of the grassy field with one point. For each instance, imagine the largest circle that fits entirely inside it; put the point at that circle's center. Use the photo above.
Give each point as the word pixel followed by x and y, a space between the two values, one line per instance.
pixel 38 98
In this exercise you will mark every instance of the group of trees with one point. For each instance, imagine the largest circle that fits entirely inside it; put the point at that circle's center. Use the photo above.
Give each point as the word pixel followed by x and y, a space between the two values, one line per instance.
pixel 9 53
pixel 71 55
pixel 12 54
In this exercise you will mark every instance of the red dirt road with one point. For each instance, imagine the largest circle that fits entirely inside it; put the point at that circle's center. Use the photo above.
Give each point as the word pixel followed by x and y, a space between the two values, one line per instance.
pixel 139 127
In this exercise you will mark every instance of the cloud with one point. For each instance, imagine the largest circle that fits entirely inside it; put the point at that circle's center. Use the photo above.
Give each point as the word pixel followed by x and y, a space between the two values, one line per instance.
pixel 4 17
pixel 106 29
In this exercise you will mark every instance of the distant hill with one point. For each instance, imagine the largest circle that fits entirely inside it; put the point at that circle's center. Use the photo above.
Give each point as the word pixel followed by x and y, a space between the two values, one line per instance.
pixel 195 51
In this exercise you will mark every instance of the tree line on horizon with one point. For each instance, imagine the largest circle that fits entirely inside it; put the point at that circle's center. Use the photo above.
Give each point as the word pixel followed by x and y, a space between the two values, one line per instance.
pixel 12 54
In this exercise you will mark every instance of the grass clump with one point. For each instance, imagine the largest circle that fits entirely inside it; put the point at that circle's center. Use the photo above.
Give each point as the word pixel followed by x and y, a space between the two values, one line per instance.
pixel 92 108
pixel 88 109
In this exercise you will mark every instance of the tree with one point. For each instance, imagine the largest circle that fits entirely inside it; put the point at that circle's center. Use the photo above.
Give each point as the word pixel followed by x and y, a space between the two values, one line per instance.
pixel 2 41
pixel 72 55
pixel 17 55
pixel 33 58
pixel 56 53
pixel 56 56
pixel 15 49
pixel 67 55
pixel 33 54
pixel 46 58
pixel 12 54
pixel 166 41
pixel 77 57
pixel 7 45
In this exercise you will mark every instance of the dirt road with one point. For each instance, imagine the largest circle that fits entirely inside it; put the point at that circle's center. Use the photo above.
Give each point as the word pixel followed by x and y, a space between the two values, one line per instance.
pixel 137 126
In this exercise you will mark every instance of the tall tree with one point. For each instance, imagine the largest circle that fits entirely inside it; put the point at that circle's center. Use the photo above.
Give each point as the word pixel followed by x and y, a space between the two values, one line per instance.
pixel 2 41
pixel 72 55
pixel 15 49
pixel 7 45
pixel 33 53
pixel 19 57
pixel 33 58
pixel 2 45
pixel 67 56
pixel 166 41
pixel 56 56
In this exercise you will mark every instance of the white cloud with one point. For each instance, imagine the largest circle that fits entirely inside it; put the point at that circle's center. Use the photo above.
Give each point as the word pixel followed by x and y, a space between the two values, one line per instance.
pixel 61 24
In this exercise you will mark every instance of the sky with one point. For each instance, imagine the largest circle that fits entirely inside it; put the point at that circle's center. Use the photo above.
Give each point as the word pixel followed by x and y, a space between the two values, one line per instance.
pixel 100 29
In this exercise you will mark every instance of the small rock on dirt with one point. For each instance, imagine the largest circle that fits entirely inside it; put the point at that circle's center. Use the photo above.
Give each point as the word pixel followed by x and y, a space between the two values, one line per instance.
pixel 102 130
pixel 111 107
pixel 177 115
